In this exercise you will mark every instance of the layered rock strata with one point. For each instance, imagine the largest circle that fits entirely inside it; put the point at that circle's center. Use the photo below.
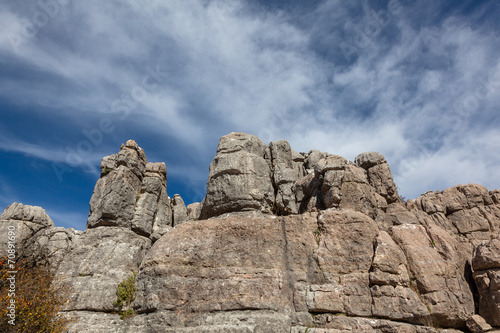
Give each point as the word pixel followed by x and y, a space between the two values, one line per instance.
pixel 282 242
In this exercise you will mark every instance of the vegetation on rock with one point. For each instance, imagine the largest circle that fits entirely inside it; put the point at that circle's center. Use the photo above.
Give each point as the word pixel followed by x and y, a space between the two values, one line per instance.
pixel 37 300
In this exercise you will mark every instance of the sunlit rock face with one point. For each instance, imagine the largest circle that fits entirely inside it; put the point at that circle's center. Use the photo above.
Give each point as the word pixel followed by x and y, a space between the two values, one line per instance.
pixel 282 242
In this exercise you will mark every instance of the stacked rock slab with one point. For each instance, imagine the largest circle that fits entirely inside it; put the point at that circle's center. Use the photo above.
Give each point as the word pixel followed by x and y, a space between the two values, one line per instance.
pixel 131 193
pixel 284 242
pixel 239 178
pixel 129 210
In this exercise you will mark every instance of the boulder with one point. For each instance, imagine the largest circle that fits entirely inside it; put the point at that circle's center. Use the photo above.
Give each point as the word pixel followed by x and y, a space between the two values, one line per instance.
pixel 194 211
pixel 477 324
pixel 179 210
pixel 24 221
pixel 239 178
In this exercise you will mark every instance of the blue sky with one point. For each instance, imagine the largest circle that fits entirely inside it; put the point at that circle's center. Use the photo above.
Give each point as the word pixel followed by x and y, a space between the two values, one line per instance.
pixel 418 81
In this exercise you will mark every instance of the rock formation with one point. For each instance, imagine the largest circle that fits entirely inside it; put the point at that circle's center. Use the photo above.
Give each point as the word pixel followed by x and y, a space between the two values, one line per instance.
pixel 282 242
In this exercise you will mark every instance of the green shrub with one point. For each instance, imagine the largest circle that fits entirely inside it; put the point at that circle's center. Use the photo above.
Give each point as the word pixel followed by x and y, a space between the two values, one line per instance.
pixel 125 293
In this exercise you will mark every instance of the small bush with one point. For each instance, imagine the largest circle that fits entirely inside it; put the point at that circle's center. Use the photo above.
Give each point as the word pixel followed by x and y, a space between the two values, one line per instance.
pixel 37 300
pixel 125 293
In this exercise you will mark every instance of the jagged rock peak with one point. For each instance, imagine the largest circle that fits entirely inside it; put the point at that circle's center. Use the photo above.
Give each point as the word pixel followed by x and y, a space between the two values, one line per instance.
pixel 18 211
pixel 248 177
pixel 131 193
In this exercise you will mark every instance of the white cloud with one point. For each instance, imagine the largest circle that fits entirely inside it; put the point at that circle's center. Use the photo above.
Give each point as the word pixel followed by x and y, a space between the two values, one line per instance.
pixel 231 68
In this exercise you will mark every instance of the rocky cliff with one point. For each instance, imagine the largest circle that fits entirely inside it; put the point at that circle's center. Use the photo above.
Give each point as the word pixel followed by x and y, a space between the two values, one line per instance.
pixel 282 242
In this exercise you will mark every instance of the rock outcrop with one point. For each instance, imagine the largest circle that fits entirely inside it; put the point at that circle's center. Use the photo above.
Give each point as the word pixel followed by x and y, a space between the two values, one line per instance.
pixel 239 178
pixel 282 242
pixel 37 240
pixel 486 265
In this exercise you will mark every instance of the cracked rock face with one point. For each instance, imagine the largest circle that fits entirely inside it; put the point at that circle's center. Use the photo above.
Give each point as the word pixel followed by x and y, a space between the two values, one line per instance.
pixel 486 265
pixel 132 194
pixel 239 178
pixel 101 258
pixel 25 221
pixel 282 242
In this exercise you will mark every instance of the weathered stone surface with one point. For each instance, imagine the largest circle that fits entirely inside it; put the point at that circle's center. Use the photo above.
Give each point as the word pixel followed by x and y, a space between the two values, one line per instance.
pixel 436 267
pixel 313 158
pixel 477 324
pixel 49 246
pixel 226 264
pixel 194 211
pixel 25 221
pixel 392 296
pixel 132 194
pixel 356 250
pixel 328 323
pixel 239 178
pixel 163 219
pixel 179 210
pixel 379 175
pixel 349 264
pixel 308 193
pixel 389 265
pixel 486 266
pixel 284 176
pixel 150 202
pixel 487 256
pixel 298 160
pixel 369 159
pixel 101 258
pixel 117 191
pixel 19 212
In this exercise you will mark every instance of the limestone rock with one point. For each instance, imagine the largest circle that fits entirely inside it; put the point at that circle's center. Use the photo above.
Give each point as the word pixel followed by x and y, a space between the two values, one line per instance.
pixel 117 191
pixel 313 158
pixel 239 178
pixel 151 201
pixel 25 221
pixel 179 210
pixel 227 264
pixel 345 253
pixel 131 194
pixel 49 246
pixel 369 159
pixel 163 219
pixel 477 324
pixel 345 185
pixel 194 211
pixel 328 323
pixel 486 266
pixel 100 259
pixel 436 266
pixel 19 212
pixel 284 176
pixel 379 175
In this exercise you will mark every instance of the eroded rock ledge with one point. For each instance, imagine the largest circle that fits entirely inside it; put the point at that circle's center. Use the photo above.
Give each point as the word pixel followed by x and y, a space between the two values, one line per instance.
pixel 282 242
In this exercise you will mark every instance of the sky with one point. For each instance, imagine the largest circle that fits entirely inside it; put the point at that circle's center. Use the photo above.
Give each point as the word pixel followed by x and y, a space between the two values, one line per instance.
pixel 417 81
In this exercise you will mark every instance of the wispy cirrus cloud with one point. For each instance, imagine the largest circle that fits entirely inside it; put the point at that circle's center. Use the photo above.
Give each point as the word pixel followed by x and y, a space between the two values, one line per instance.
pixel 417 81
